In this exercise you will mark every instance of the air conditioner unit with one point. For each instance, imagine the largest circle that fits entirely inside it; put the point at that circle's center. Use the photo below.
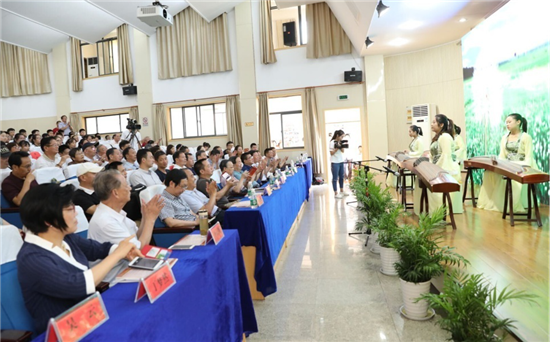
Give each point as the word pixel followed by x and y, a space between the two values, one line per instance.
pixel 155 16
pixel 92 67
pixel 422 117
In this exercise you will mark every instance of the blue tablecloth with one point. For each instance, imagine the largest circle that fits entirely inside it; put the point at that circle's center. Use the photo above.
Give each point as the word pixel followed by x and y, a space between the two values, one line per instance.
pixel 267 227
pixel 309 176
pixel 210 301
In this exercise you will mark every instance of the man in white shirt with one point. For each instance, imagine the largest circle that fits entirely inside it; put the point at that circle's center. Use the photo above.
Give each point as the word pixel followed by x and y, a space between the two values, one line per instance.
pixel 196 199
pixel 214 158
pixel 113 155
pixel 35 141
pixel 127 135
pixel 144 175
pixel 50 156
pixel 179 160
pixel 64 126
pixel 115 141
pixel 129 161
pixel 109 222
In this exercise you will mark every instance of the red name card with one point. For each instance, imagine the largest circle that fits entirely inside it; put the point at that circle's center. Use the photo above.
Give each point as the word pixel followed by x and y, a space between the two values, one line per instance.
pixel 77 322
pixel 260 200
pixel 156 284
pixel 215 234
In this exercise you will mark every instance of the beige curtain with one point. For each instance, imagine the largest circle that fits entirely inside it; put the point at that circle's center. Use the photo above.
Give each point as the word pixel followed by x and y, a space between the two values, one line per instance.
pixel 76 64
pixel 160 126
pixel 134 113
pixel 266 33
pixel 265 136
pixel 192 46
pixel 75 121
pixel 325 34
pixel 312 131
pixel 23 71
pixel 234 129
pixel 125 71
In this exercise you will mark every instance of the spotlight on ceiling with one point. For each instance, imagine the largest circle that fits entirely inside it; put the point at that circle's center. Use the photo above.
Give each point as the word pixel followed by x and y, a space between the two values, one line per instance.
pixel 381 8
pixel 368 42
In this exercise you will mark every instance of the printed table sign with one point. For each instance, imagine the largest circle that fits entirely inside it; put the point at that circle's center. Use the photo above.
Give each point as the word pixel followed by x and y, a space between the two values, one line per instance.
pixel 260 200
pixel 77 322
pixel 268 191
pixel 156 284
pixel 215 234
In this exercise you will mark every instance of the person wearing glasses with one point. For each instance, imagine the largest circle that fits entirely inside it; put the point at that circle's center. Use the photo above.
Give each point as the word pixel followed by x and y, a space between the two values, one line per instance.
pixel 53 264
pixel 50 156
pixel 176 211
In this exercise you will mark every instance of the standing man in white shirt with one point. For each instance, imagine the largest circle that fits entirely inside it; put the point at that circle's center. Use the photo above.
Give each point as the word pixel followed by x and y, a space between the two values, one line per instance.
pixel 64 126
pixel 50 156
pixel 134 140
pixel 144 175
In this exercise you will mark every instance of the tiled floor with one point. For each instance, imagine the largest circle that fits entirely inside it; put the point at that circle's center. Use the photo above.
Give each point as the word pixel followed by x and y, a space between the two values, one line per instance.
pixel 330 287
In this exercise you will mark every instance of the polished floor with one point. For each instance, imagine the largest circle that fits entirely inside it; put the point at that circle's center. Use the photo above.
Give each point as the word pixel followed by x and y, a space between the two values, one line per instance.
pixel 330 287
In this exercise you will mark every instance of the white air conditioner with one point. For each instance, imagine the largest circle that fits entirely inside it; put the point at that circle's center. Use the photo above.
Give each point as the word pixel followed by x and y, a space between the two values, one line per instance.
pixel 422 117
pixel 92 67
pixel 155 16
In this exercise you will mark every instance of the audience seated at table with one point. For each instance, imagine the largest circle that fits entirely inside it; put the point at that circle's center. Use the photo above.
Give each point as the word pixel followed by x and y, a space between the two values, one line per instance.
pixel 176 212
pixel 53 264
pixel 84 196
pixel 20 180
pixel 144 175
pixel 204 170
pixel 239 189
pixel 197 200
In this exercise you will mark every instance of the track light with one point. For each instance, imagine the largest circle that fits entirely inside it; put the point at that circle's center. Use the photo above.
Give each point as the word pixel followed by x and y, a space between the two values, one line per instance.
pixel 368 42
pixel 381 8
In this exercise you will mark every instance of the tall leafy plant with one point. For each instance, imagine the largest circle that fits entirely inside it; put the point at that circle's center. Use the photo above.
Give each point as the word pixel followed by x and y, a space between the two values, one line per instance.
pixel 469 302
pixel 387 225
pixel 421 256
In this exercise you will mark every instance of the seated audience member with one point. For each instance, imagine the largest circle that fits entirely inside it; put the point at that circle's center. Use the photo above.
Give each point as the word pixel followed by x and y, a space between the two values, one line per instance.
pixel 77 156
pixel 253 147
pixel 64 151
pixel 113 155
pixel 162 164
pixel 215 158
pixel 176 211
pixel 50 133
pixel 197 200
pixel 129 161
pixel 35 141
pixel 190 162
pixel 53 263
pixel 13 147
pixel 18 137
pixel 155 149
pixel 81 134
pixel 16 185
pixel 4 161
pixel 184 149
pixel 25 146
pixel 11 134
pixel 237 166
pixel 144 175
pixel 247 161
pixel 170 149
pixel 123 144
pixel 90 153
pixel 4 137
pixel 117 166
pixel 116 141
pixel 59 139
pixel 238 151
pixel 204 170
pixel 229 149
pixel 179 160
pixel 109 222
pixel 206 147
pixel 201 154
pixel 101 155
pixel 239 189
pixel 50 157
pixel 72 143
pixel 199 148
pixel 84 196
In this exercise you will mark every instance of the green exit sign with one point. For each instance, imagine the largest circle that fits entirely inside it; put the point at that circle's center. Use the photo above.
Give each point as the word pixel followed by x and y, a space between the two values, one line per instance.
pixel 342 97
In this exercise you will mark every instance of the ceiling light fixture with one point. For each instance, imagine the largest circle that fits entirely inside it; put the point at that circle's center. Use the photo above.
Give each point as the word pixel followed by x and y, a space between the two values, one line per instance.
pixel 462 20
pixel 410 25
pixel 381 8
pixel 398 42
pixel 368 42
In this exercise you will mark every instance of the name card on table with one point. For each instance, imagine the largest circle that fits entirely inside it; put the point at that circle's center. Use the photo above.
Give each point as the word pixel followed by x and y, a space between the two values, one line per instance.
pixel 260 200
pixel 268 191
pixel 156 284
pixel 215 234
pixel 283 178
pixel 77 322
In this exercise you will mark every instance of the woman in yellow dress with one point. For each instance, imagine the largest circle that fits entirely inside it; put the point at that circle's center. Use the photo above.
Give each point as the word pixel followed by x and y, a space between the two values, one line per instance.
pixel 441 154
pixel 515 146
pixel 416 148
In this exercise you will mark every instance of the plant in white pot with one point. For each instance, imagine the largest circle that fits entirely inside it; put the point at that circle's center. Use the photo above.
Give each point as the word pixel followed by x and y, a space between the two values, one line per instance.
pixel 421 259
pixel 388 230
pixel 469 302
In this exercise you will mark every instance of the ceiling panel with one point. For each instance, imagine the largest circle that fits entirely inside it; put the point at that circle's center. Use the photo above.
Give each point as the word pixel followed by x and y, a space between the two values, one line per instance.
pixel 74 17
pixel 25 33
pixel 210 10
pixel 126 10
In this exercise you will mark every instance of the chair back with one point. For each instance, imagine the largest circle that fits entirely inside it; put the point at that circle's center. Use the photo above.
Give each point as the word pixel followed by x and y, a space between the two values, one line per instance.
pixel 217 175
pixel 128 174
pixel 70 171
pixel 74 182
pixel 14 313
pixel 151 191
pixel 48 174
pixel 170 159
pixel 82 225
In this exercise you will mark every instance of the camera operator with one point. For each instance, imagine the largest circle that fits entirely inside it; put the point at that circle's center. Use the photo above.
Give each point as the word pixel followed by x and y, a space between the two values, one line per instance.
pixel 336 147
pixel 132 134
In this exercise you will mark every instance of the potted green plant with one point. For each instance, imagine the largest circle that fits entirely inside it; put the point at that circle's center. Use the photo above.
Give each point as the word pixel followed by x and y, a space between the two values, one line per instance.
pixel 469 302
pixel 388 229
pixel 421 259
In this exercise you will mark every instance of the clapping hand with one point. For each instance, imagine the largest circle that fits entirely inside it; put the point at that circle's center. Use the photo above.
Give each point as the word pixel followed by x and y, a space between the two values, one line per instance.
pixel 151 209
pixel 212 189
pixel 125 246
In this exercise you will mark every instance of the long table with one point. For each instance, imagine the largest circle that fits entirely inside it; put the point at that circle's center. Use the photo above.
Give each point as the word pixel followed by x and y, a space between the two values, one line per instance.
pixel 308 167
pixel 267 227
pixel 210 301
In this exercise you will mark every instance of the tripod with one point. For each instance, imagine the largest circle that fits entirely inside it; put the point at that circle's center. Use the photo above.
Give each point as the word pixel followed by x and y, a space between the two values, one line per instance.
pixel 132 137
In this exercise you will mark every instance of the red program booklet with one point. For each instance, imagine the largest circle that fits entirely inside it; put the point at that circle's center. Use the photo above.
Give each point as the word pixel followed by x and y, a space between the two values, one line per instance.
pixel 156 252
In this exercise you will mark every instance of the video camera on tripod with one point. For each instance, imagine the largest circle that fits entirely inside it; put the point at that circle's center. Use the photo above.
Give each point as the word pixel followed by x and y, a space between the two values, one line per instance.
pixel 341 144
pixel 132 125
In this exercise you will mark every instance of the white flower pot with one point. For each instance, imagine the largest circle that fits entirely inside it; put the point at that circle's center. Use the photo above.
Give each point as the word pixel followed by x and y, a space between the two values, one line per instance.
pixel 388 256
pixel 375 248
pixel 415 311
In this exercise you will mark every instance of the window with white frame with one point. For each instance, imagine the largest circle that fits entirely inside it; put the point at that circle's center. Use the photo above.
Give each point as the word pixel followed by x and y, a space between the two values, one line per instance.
pixel 198 121
pixel 106 124
pixel 100 58
pixel 285 122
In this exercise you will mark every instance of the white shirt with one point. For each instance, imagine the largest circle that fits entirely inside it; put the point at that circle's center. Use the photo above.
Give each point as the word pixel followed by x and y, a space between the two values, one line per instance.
pixel 67 130
pixel 337 157
pixel 35 148
pixel 145 177
pixel 107 225
pixel 135 143
pixel 4 173
pixel 196 200
pixel 130 166
pixel 44 161
pixel 112 143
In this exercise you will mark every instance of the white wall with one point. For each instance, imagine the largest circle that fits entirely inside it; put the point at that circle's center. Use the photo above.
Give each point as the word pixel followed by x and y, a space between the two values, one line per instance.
pixel 294 70
pixel 200 86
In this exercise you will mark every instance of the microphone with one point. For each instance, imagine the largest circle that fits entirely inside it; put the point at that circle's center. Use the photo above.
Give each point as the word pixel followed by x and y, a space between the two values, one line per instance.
pixel 388 170
pixel 380 159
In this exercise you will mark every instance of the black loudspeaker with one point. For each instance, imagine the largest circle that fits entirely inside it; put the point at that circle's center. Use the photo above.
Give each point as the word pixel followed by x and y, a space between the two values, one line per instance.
pixel 129 90
pixel 289 33
pixel 353 75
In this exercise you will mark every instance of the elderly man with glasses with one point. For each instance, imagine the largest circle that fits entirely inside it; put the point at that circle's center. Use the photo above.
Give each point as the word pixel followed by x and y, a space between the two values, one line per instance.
pixel 176 211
